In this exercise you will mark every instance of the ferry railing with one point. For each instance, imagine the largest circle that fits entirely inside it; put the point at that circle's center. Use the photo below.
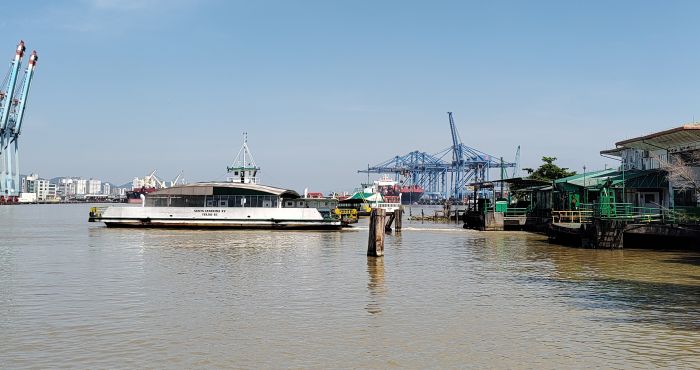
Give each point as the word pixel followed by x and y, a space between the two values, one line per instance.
pixel 389 207
pixel 578 216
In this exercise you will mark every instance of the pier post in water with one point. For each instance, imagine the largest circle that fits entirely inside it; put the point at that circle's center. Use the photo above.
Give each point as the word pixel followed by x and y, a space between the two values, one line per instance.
pixel 375 244
pixel 389 222
pixel 398 214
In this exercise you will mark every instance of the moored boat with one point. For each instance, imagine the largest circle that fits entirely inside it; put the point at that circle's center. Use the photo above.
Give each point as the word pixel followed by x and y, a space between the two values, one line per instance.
pixel 220 205
pixel 239 202
pixel 411 194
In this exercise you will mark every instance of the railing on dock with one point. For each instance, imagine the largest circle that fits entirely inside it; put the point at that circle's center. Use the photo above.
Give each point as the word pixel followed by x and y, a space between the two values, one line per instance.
pixel 516 212
pixel 579 216
pixel 625 212
pixel 389 207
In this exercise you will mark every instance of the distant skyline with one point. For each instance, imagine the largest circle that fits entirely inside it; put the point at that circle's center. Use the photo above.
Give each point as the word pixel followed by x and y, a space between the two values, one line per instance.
pixel 325 88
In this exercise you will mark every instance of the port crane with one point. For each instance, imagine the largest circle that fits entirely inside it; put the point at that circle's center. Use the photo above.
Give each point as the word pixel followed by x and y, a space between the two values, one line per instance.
pixel 446 172
pixel 457 158
pixel 13 102
pixel 176 179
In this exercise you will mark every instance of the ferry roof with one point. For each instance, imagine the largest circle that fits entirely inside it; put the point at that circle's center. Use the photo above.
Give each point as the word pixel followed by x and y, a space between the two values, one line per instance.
pixel 219 188
pixel 679 138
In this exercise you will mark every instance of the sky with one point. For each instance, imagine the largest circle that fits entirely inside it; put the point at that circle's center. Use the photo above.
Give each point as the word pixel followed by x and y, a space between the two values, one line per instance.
pixel 325 88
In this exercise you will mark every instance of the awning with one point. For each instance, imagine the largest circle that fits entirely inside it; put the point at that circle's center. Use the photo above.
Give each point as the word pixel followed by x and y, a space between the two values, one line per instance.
pixel 368 197
pixel 673 139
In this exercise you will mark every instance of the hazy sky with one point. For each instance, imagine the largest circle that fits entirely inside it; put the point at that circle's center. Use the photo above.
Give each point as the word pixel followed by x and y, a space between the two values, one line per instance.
pixel 326 87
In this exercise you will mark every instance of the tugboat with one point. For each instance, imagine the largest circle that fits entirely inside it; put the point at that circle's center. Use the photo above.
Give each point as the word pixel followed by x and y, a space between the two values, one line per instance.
pixel 239 202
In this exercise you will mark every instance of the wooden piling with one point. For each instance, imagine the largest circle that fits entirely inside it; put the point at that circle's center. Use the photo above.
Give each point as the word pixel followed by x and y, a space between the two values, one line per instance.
pixel 398 214
pixel 375 244
pixel 390 221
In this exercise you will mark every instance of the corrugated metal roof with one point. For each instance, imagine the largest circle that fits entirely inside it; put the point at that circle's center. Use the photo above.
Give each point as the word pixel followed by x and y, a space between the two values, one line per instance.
pixel 615 178
pixel 679 137
pixel 586 179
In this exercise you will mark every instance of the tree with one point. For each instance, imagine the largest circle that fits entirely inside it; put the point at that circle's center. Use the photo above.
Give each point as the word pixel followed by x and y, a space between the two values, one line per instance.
pixel 549 171
pixel 682 171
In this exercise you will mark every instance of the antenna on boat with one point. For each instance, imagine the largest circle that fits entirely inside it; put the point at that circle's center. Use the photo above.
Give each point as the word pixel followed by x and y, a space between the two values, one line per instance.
pixel 244 168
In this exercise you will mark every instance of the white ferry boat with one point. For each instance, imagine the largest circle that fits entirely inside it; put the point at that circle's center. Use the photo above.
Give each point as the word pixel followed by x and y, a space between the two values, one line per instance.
pixel 239 202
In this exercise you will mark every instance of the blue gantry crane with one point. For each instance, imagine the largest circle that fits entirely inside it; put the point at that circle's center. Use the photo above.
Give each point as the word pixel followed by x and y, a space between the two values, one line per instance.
pixel 13 102
pixel 415 168
pixel 446 172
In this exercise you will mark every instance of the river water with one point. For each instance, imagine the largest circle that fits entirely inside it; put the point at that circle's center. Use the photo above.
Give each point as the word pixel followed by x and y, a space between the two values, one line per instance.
pixel 75 294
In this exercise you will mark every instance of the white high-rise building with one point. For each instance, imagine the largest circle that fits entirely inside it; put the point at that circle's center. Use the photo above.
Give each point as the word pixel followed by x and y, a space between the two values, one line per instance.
pixel 106 188
pixel 118 192
pixel 37 189
pixel 80 186
pixel 45 190
pixel 94 186
pixel 66 187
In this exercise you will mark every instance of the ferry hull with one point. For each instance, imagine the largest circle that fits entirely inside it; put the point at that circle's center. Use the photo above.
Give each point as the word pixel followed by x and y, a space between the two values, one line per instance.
pixel 231 218
pixel 410 197
pixel 222 225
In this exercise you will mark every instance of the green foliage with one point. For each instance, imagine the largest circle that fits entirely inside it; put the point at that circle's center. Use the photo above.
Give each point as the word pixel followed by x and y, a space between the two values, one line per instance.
pixel 549 171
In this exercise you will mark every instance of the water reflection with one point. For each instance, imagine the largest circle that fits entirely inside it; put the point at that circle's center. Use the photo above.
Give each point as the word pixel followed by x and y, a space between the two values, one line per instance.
pixel 375 285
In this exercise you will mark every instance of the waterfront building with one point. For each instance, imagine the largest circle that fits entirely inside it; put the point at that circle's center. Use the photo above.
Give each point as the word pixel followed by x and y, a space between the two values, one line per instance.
pixel 23 184
pixel 80 186
pixel 118 192
pixel 661 169
pixel 94 187
pixel 45 190
pixel 66 187
pixel 37 189
pixel 106 188
pixel 30 183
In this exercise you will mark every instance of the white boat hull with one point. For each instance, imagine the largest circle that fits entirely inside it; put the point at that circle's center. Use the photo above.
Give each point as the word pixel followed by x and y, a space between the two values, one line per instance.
pixel 209 217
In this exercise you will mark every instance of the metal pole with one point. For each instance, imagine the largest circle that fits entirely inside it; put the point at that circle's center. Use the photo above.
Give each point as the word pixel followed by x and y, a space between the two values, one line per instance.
pixel 585 189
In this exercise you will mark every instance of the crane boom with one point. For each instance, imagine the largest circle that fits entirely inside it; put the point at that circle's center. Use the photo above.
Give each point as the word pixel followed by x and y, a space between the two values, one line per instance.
pixel 516 168
pixel 11 85
pixel 456 142
pixel 174 182
pixel 458 159
pixel 25 93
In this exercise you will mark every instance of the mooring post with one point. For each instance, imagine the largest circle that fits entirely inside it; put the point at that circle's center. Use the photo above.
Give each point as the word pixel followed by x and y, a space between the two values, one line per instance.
pixel 397 220
pixel 375 244
pixel 390 221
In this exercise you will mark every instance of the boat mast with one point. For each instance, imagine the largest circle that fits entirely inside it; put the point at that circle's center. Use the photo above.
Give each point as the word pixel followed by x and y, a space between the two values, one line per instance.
pixel 244 168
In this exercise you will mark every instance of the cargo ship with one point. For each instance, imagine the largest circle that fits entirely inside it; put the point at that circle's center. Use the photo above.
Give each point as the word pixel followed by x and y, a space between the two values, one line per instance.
pixel 148 184
pixel 392 191
pixel 411 194
pixel 136 195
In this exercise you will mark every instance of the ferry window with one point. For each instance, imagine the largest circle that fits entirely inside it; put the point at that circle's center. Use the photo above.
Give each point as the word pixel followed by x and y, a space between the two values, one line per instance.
pixel 289 204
